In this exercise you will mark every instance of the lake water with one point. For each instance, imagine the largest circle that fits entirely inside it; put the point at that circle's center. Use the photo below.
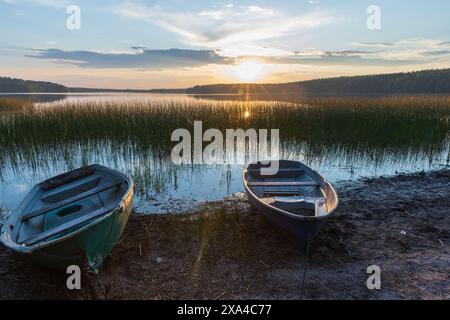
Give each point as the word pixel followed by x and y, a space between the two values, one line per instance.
pixel 181 188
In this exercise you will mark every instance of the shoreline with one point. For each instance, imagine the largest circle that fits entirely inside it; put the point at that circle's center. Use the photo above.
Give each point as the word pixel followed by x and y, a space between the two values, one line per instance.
pixel 227 251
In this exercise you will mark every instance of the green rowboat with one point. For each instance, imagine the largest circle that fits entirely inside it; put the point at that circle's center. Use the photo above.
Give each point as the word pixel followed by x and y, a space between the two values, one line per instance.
pixel 74 218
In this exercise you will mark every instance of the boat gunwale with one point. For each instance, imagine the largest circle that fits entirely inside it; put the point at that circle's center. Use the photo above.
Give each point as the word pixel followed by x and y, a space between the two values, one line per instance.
pixel 5 235
pixel 287 213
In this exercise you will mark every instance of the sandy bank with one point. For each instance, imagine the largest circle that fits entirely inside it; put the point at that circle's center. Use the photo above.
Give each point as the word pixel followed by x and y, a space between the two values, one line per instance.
pixel 227 251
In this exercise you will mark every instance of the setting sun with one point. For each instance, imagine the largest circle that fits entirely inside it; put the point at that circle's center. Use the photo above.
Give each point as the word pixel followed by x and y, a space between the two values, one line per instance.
pixel 249 70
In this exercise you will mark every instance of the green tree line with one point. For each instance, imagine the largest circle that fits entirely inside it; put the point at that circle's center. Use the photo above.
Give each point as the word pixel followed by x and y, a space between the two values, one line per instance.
pixel 12 85
pixel 421 82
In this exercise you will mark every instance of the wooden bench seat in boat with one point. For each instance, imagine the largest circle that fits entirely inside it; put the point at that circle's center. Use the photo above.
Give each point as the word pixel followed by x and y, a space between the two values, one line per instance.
pixel 66 226
pixel 307 206
pixel 281 173
pixel 68 201
pixel 74 188
pixel 283 183
pixel 66 178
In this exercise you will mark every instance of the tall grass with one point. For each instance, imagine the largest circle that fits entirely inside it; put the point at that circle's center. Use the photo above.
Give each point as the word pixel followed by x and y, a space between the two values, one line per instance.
pixel 139 132
pixel 14 105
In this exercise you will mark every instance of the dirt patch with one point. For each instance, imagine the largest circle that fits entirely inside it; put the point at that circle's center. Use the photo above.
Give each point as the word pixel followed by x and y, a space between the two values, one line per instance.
pixel 227 251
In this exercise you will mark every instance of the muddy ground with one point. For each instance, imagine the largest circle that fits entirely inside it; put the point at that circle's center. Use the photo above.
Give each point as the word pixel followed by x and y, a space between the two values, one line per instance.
pixel 227 251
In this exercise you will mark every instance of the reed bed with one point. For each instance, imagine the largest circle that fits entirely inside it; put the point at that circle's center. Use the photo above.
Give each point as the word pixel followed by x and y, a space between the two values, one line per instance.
pixel 14 105
pixel 385 122
pixel 139 132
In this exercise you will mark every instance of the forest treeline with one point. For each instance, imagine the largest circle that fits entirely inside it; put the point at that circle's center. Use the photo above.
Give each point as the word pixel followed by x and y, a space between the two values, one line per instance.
pixel 421 82
pixel 12 85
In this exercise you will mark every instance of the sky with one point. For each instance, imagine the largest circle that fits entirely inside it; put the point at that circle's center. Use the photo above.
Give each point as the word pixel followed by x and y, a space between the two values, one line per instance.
pixel 177 44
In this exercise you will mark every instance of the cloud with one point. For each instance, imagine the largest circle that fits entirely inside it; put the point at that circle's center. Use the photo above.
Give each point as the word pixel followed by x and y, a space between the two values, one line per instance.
pixel 51 3
pixel 419 50
pixel 411 43
pixel 436 53
pixel 142 58
pixel 347 53
pixel 400 53
pixel 343 58
pixel 227 26
pixel 372 44
pixel 57 4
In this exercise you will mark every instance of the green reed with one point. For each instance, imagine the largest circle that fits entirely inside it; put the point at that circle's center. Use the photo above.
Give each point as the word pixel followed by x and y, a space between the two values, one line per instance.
pixel 14 105
pixel 138 133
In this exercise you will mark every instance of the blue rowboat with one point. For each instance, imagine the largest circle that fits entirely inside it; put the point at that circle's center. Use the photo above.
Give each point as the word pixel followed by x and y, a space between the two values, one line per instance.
pixel 295 198
pixel 73 218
